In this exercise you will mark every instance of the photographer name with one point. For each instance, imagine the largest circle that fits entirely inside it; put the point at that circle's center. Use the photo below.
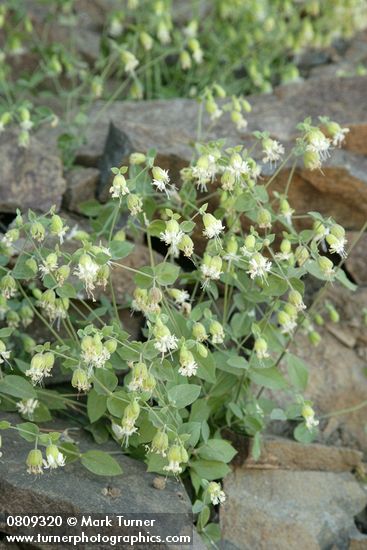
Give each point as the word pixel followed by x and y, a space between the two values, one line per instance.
pixel 120 521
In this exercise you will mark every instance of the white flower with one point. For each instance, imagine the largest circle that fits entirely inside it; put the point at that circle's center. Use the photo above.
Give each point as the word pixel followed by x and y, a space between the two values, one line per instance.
pixel 210 272
pixel 95 358
pixel 283 255
pixel 211 268
pixel 198 55
pixel 26 125
pixel 4 355
pixel 179 296
pixel 161 180
pixel 318 143
pixel 87 271
pixel 217 496
pixel 166 343
pixel 204 171
pixel 309 416
pixel 189 369
pixel 238 166
pixel 27 406
pixel 311 423
pixel 337 246
pixel 188 365
pixel 54 462
pixel 163 33
pixel 172 236
pixel 173 466
pixel 259 266
pixel 115 28
pixel 40 368
pixel 213 226
pixel 119 187
pixel 130 61
pixel 215 113
pixel 272 150
pixel 339 137
pixel 289 326
pixel 117 431
pixel 128 427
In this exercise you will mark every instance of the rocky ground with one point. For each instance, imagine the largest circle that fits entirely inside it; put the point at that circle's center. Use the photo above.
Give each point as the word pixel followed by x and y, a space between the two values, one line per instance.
pixel 294 497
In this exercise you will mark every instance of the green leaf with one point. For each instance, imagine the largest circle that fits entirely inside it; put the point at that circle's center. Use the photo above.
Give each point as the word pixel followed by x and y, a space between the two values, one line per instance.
pixel 183 395
pixel 278 414
pixel 120 249
pixel 206 370
pixel 217 449
pixel 210 469
pixel 17 387
pixel 67 290
pixel 200 411
pixel 4 425
pixel 44 439
pixel 156 228
pixel 6 332
pixel 238 362
pixel 96 405
pixel 166 273
pixel 28 431
pixel 256 446
pixel 303 434
pixel 101 463
pixel 269 378
pixel 187 226
pixel 297 371
pixel 105 381
pixel 193 430
pixel 145 278
pixel 275 286
pixel 41 414
pixel 70 451
pixel 343 279
pixel 21 270
pixel 117 402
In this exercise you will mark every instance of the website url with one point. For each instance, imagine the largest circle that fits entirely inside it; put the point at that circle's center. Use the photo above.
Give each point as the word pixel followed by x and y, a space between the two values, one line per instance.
pixel 111 540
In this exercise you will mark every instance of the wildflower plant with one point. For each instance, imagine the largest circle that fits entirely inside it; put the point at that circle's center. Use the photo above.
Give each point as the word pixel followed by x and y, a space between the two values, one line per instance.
pixel 147 50
pixel 220 311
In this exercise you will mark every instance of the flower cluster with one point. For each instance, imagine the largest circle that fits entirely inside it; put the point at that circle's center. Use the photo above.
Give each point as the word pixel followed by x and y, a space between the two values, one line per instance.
pixel 219 299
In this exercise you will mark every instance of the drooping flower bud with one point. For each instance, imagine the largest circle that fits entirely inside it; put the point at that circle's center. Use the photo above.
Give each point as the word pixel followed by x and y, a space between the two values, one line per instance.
pixel 34 462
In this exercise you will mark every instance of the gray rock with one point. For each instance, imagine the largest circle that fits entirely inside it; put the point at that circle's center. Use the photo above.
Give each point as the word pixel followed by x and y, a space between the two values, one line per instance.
pixel 358 542
pixel 356 262
pixel 29 178
pixel 117 147
pixel 73 490
pixel 337 379
pixel 278 510
pixel 285 454
pixel 81 186
pixel 170 126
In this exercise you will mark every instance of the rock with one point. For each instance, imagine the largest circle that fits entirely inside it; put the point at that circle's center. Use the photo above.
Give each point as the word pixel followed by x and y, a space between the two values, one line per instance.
pixel 279 509
pixel 170 126
pixel 117 148
pixel 344 335
pixel 356 262
pixel 285 454
pixel 73 490
pixel 337 379
pixel 29 178
pixel 358 542
pixel 81 32
pixel 340 190
pixel 81 186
